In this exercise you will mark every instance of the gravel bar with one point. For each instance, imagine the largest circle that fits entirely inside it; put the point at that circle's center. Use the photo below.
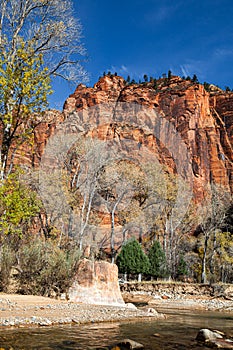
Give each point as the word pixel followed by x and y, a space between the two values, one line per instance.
pixel 19 311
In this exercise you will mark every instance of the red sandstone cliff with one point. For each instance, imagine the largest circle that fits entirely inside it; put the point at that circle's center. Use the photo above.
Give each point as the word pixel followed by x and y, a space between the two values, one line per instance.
pixel 203 120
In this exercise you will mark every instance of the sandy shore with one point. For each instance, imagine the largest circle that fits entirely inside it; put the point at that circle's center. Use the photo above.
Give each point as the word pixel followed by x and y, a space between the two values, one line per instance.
pixel 27 310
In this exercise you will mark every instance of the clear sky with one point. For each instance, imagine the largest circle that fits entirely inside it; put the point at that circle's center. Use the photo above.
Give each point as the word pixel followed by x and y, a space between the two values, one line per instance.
pixel 137 37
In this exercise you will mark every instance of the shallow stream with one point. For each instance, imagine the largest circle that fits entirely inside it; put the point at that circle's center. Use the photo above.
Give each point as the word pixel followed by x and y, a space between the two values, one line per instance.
pixel 176 332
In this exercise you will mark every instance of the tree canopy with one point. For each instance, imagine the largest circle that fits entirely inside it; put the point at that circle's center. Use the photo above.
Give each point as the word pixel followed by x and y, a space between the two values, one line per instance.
pixel 48 27
pixel 38 39
pixel 157 259
pixel 18 204
pixel 24 87
pixel 132 259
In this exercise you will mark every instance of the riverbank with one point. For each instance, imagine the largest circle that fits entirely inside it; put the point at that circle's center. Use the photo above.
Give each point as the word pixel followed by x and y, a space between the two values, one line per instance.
pixel 179 296
pixel 179 303
pixel 27 310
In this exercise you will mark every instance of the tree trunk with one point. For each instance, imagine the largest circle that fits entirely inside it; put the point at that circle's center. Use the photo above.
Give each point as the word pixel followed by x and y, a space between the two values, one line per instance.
pixel 112 235
pixel 203 270
pixel 4 152
pixel 213 253
pixel 139 277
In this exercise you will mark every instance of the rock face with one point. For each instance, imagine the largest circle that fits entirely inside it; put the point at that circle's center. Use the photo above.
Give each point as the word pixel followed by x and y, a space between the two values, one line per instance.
pixel 96 283
pixel 203 120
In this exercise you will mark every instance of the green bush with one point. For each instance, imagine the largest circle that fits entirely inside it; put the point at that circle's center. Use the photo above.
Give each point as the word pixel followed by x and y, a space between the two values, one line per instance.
pixel 45 269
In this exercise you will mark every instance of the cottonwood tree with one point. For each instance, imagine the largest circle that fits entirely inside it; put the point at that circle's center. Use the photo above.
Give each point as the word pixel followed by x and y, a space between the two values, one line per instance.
pixel 38 39
pixel 18 205
pixel 24 86
pixel 47 27
pixel 159 216
pixel 152 210
pixel 223 258
pixel 173 223
pixel 147 196
pixel 212 214
pixel 117 187
pixel 163 208
pixel 85 164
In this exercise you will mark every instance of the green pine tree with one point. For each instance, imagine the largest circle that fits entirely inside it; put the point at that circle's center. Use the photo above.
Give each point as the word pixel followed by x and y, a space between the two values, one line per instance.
pixel 181 267
pixel 194 78
pixel 206 86
pixel 157 259
pixel 132 259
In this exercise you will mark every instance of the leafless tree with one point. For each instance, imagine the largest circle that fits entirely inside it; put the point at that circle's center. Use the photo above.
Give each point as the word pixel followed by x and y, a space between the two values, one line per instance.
pixel 47 27
pixel 116 189
pixel 86 163
pixel 211 215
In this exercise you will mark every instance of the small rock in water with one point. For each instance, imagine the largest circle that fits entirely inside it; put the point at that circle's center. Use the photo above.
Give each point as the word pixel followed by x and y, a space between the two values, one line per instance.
pixel 68 342
pixel 214 339
pixel 205 335
pixel 127 344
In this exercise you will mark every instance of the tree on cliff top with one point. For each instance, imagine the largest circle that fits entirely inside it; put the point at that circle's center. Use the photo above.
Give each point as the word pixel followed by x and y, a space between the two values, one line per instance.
pixel 38 39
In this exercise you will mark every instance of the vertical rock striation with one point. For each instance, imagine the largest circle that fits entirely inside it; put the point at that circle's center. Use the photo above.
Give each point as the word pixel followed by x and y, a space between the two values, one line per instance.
pixel 96 282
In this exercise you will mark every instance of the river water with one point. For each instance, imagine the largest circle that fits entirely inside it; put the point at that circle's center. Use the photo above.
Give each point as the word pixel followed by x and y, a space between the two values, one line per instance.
pixel 176 332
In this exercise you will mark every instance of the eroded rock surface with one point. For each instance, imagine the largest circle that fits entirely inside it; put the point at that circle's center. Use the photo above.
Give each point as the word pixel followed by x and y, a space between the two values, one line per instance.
pixel 96 282
pixel 203 120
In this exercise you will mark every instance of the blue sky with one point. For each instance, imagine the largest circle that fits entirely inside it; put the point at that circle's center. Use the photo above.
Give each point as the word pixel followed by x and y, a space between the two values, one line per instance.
pixel 137 37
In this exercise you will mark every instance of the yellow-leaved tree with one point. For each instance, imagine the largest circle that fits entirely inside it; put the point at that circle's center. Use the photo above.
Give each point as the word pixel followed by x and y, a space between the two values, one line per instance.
pixel 24 87
pixel 39 39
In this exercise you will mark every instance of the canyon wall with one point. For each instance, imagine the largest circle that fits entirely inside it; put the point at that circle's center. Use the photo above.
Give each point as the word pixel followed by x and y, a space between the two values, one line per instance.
pixel 202 120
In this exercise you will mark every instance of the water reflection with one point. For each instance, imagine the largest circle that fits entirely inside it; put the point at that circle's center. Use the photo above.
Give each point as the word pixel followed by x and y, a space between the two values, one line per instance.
pixel 176 332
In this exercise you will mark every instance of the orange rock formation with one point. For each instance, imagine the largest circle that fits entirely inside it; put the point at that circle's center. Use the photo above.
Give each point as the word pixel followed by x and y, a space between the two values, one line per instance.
pixel 203 120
